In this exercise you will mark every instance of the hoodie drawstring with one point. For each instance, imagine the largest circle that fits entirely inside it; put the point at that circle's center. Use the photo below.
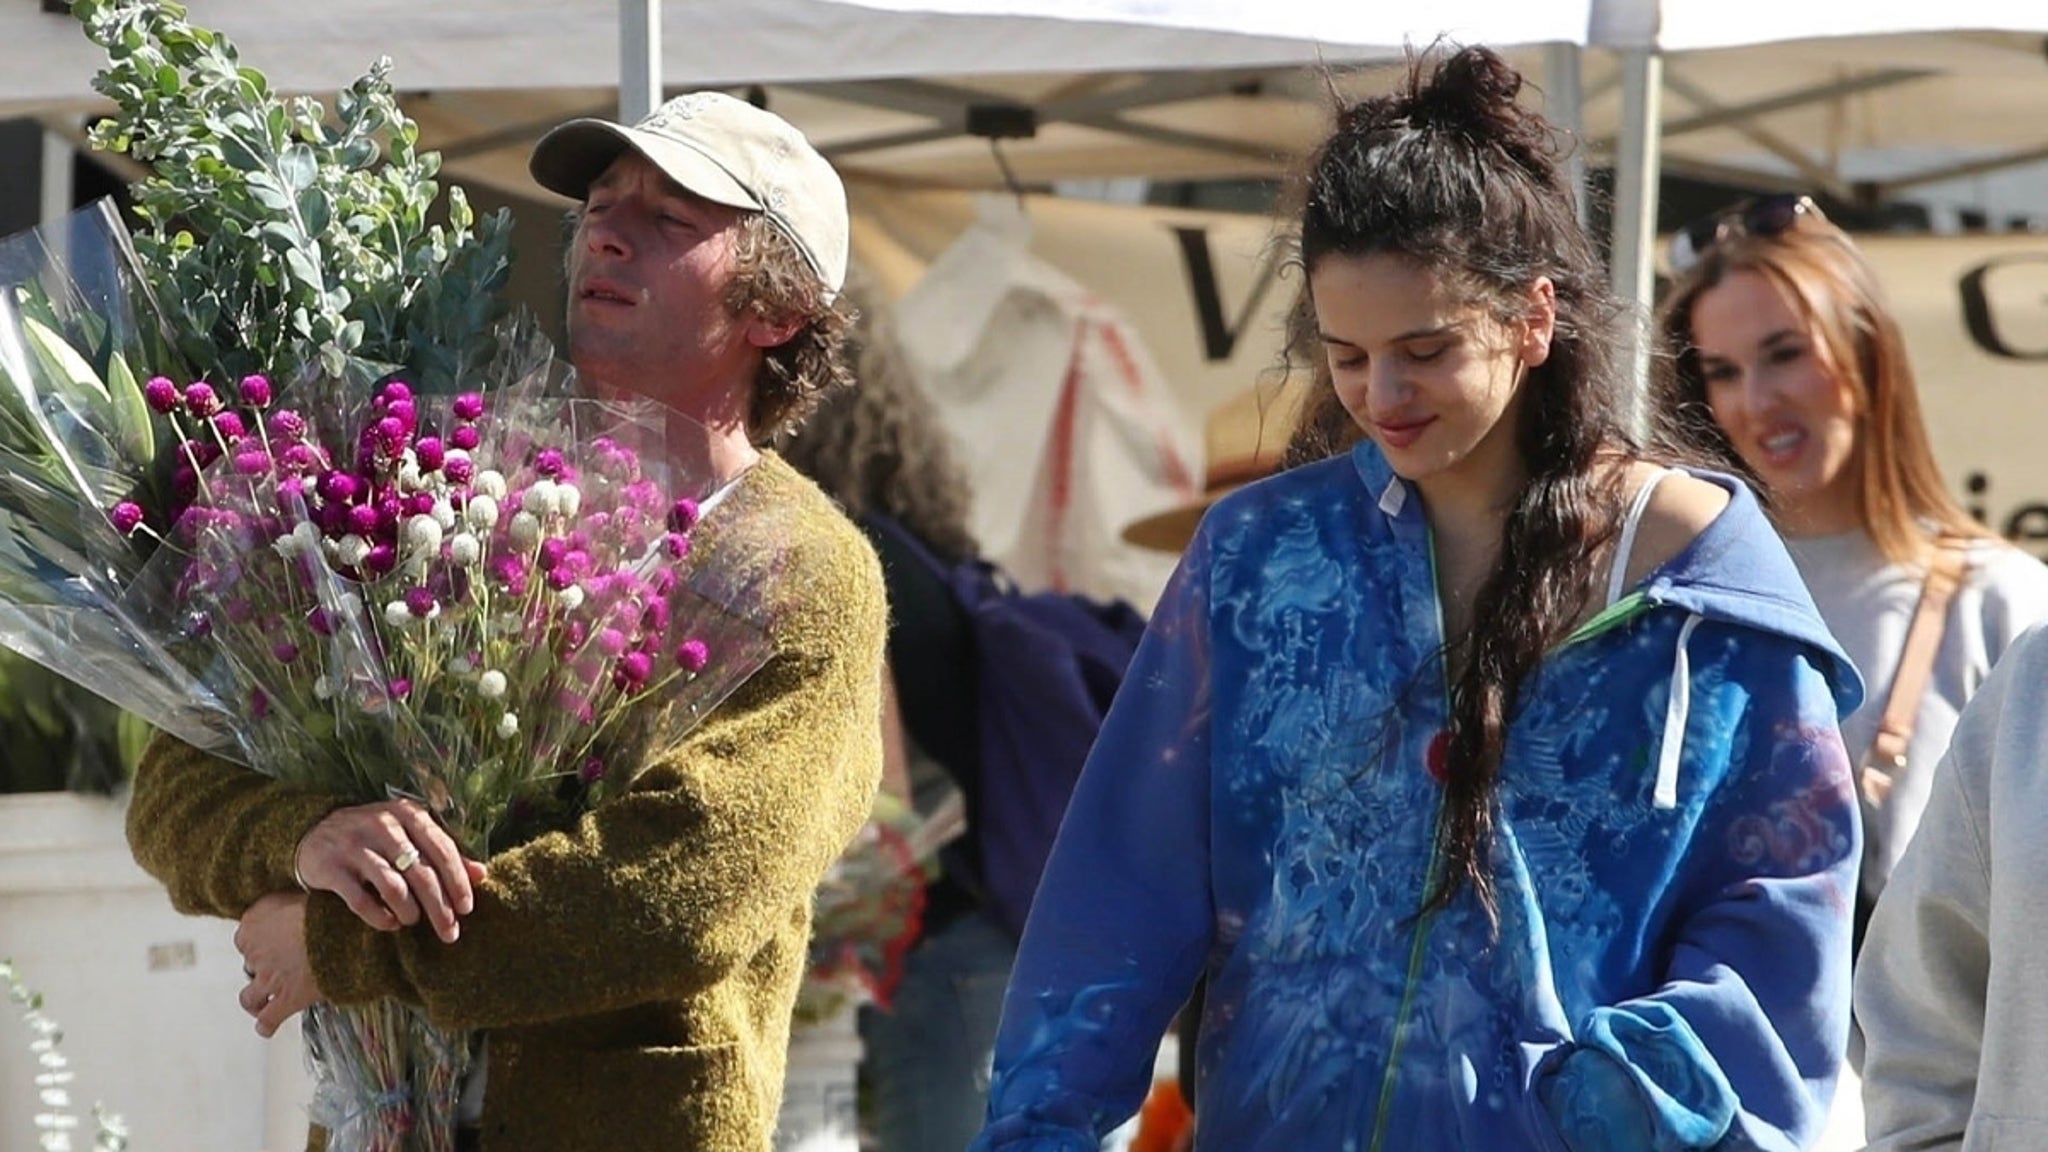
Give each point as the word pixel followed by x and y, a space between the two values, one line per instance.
pixel 1677 711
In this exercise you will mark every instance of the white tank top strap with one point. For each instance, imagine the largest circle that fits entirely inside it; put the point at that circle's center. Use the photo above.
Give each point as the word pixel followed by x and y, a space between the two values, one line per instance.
pixel 1626 546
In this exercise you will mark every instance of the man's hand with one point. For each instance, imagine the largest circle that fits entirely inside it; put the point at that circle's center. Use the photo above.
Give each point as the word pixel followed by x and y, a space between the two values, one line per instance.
pixel 392 863
pixel 272 941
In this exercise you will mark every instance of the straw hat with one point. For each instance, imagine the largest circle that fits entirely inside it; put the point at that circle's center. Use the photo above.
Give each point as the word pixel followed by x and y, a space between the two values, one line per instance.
pixel 1244 439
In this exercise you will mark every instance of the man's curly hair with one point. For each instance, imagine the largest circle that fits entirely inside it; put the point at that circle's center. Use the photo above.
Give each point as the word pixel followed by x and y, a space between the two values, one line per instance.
pixel 775 282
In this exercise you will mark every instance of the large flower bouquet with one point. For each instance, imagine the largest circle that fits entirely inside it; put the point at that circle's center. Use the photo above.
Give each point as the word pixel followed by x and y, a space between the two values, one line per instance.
pixel 290 490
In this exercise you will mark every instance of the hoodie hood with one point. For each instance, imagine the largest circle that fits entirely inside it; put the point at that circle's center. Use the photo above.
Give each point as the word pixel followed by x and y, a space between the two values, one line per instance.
pixel 1736 571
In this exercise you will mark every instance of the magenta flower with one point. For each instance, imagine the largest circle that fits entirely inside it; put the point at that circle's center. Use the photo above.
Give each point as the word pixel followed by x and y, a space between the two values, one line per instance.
pixel 339 487
pixel 362 519
pixel 200 452
pixel 228 426
pixel 259 703
pixel 420 602
pixel 127 516
pixel 693 655
pixel 256 391
pixel 298 460
pixel 381 558
pixel 657 616
pixel 662 582
pixel 611 642
pixel 469 406
pixel 320 621
pixel 184 482
pixel 633 670
pixel 465 438
pixel 548 463
pixel 404 412
pixel 290 491
pixel 420 504
pixel 392 435
pixel 431 453
pixel 677 545
pixel 285 651
pixel 394 392
pixel 400 688
pixel 202 399
pixel 573 637
pixel 510 571
pixel 683 515
pixel 287 425
pixel 459 470
pixel 162 395
pixel 252 463
pixel 549 557
pixel 593 770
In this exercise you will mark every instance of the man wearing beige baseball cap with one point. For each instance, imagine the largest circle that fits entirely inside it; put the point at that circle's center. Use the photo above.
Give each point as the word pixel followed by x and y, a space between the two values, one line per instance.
pixel 633 968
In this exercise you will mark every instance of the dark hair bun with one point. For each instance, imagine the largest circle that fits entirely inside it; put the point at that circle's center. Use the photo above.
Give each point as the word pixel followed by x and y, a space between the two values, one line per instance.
pixel 1472 93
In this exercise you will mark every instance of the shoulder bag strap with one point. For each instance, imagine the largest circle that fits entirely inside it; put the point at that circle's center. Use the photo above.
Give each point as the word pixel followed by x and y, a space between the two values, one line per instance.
pixel 1916 664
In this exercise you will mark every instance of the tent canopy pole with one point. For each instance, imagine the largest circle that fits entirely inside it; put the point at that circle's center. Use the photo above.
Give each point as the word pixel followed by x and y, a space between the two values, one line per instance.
pixel 639 59
pixel 1633 259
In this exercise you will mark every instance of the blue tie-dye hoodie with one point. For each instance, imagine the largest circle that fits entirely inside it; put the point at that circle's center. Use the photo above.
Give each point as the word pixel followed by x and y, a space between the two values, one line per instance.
pixel 1675 850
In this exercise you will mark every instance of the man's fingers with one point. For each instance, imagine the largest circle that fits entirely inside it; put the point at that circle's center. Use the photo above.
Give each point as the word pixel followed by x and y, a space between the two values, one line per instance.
pixel 274 1014
pixel 369 909
pixel 254 996
pixel 438 851
pixel 390 887
pixel 426 890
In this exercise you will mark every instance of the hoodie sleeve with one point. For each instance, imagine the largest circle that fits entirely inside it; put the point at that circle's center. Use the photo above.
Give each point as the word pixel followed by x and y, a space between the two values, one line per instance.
pixel 1739 1044
pixel 1922 986
pixel 1123 916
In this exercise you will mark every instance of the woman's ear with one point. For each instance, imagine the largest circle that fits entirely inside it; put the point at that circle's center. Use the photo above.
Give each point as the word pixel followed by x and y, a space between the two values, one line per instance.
pixel 1539 323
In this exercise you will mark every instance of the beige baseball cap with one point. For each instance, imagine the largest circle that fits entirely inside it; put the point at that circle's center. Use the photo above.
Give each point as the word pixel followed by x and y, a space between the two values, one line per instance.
pixel 725 150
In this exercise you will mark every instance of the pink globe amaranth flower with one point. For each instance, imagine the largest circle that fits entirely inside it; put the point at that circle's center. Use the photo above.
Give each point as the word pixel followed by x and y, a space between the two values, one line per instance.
pixel 298 460
pixel 285 651
pixel 592 771
pixel 291 491
pixel 676 545
pixel 682 515
pixel 362 519
pixel 663 582
pixel 390 507
pixel 574 635
pixel 202 399
pixel 241 610
pixel 561 577
pixel 459 470
pixel 126 516
pixel 633 669
pixel 465 437
pixel 594 526
pixel 392 436
pixel 431 453
pixel 252 463
pixel 162 396
pixel 366 456
pixel 287 425
pixel 229 426
pixel 199 452
pixel 404 412
pixel 394 392
pixel 381 558
pixel 693 655
pixel 320 621
pixel 340 487
pixel 400 688
pixel 420 602
pixel 184 482
pixel 468 406
pixel 510 571
pixel 420 504
pixel 259 703
pixel 611 642
pixel 657 616
pixel 255 391
pixel 548 462
pixel 549 556
pixel 333 519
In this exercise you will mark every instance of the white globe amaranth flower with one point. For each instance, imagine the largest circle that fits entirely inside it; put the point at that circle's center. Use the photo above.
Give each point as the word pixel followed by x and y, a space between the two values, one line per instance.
pixel 489 482
pixel 323 688
pixel 508 725
pixel 351 550
pixel 570 598
pixel 491 685
pixel 568 498
pixel 444 514
pixel 525 531
pixel 540 500
pixel 460 666
pixel 423 535
pixel 482 512
pixel 409 479
pixel 465 550
pixel 397 614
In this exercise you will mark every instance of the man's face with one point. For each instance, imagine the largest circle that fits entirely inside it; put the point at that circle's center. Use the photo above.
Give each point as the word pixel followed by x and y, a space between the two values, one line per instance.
pixel 650 268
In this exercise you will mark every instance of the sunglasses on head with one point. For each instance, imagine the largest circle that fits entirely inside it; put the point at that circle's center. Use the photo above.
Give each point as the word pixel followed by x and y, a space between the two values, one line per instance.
pixel 1760 216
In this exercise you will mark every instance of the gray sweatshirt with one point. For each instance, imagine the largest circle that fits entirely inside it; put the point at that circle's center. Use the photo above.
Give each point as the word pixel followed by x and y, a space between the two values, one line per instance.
pixel 1952 985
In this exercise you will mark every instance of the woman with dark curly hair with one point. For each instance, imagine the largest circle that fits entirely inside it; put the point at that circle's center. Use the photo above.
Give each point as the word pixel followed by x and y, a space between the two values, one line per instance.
pixel 1488 769
pixel 881 452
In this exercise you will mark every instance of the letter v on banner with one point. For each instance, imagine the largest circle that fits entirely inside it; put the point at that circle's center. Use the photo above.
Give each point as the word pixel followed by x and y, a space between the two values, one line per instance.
pixel 1219 339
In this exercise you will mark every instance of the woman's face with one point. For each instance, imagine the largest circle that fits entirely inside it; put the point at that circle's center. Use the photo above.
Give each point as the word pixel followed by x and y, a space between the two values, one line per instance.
pixel 1432 380
pixel 1790 415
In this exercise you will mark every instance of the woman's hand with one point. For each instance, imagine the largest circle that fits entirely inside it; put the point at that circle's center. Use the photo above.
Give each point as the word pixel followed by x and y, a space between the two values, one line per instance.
pixel 392 864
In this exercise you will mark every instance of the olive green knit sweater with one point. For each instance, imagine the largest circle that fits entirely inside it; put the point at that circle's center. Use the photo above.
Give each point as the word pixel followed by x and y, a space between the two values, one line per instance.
pixel 635 972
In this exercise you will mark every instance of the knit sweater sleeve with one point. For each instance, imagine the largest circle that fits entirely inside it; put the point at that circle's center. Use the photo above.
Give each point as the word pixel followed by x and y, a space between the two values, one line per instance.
pixel 218 835
pixel 713 852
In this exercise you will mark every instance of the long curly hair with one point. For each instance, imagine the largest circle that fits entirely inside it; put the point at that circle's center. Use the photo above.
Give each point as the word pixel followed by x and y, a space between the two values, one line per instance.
pixel 879 446
pixel 1451 173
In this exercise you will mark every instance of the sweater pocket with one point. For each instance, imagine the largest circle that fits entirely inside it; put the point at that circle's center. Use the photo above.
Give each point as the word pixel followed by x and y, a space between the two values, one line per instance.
pixel 654 1099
